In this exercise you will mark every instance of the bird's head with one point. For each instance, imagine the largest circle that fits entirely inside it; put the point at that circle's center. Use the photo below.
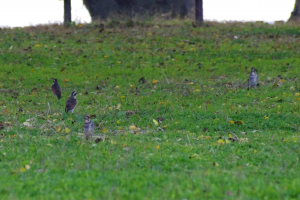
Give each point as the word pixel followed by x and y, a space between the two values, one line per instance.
pixel 87 118
pixel 54 80
pixel 74 93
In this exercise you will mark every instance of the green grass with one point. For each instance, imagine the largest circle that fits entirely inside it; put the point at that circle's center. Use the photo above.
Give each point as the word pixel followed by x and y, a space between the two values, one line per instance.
pixel 196 80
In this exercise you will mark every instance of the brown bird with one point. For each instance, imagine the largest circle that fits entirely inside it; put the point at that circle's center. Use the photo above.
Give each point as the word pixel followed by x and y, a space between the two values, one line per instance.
pixel 56 89
pixel 71 103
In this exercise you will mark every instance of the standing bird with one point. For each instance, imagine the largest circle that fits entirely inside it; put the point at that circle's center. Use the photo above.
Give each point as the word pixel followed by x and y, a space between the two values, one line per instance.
pixel 88 127
pixel 71 103
pixel 56 89
pixel 253 79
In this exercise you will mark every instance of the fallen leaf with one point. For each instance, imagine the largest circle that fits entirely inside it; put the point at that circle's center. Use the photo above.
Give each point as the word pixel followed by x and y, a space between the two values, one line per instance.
pixel 118 106
pixel 126 148
pixel 160 119
pixel 132 127
pixel 22 169
pixel 215 164
pixel 27 124
pixel 92 116
pixel 143 80
pixel 34 90
pixel 221 141
pixel 66 130
pixel 58 129
pixel 160 129
pixel 131 112
pixel 239 122
pixel 155 122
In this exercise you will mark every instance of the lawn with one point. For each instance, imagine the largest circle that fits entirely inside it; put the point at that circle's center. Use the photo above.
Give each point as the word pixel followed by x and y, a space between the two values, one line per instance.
pixel 218 140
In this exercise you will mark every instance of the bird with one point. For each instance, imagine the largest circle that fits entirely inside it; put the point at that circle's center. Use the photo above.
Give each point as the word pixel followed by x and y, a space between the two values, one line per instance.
pixel 253 79
pixel 88 127
pixel 56 89
pixel 71 103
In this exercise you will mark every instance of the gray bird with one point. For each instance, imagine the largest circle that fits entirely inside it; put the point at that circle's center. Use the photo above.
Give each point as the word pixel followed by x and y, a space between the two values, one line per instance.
pixel 253 79
pixel 88 127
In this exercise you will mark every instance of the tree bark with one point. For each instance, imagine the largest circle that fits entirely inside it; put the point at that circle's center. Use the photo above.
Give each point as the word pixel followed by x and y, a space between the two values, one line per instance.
pixel 118 9
pixel 199 11
pixel 295 15
pixel 67 12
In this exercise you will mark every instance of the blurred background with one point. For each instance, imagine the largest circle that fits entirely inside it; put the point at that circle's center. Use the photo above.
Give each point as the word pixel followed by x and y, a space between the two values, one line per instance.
pixel 20 13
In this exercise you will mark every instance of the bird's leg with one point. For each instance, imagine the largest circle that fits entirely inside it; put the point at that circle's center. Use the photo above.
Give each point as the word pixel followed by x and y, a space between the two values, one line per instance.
pixel 248 84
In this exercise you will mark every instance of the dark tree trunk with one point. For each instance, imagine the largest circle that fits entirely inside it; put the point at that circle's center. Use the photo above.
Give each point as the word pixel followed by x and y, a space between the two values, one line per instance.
pixel 199 11
pixel 104 9
pixel 67 12
pixel 295 15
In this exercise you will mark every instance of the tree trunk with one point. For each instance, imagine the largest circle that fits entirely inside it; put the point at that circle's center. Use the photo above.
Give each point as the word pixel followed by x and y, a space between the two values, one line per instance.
pixel 199 11
pixel 67 12
pixel 295 15
pixel 118 9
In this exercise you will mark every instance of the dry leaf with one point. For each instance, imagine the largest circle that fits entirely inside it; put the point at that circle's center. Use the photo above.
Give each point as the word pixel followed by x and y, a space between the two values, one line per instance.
pixel 58 129
pixel 66 130
pixel 155 122
pixel 27 124
pixel 132 127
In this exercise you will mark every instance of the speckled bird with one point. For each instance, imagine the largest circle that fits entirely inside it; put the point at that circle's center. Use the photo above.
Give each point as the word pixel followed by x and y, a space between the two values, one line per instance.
pixel 88 127
pixel 71 103
pixel 253 79
pixel 56 89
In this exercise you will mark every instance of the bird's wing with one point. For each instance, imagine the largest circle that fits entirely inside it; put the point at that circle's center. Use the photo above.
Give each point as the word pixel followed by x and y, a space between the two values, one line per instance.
pixel 71 103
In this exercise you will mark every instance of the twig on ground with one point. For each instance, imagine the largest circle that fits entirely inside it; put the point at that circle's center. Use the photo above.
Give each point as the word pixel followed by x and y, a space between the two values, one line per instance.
pixel 49 109
pixel 165 77
pixel 236 137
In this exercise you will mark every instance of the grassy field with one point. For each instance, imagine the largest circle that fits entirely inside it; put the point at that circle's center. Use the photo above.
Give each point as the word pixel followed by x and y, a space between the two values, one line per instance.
pixel 218 140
